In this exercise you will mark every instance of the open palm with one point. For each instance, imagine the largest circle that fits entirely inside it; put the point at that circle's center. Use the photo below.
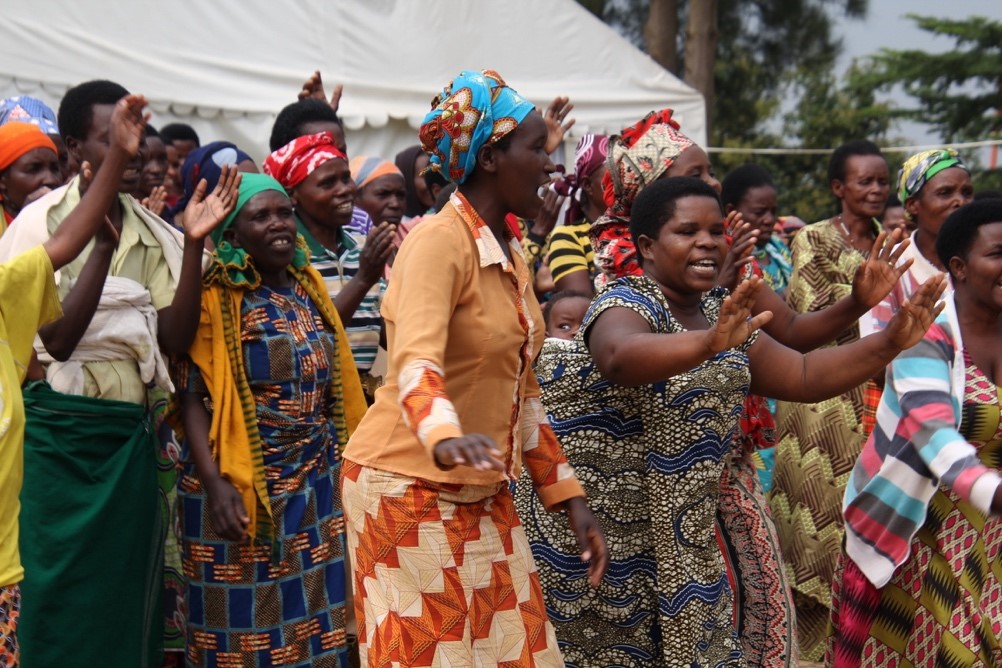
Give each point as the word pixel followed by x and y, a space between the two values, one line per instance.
pixel 204 213
pixel 878 275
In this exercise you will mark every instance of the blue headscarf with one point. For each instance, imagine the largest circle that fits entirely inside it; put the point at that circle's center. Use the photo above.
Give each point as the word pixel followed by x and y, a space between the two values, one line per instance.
pixel 476 108
pixel 27 109
pixel 206 162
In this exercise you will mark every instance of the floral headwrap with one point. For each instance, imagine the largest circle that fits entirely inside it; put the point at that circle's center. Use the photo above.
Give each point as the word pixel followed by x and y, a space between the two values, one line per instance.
pixel 291 164
pixel 921 167
pixel 588 157
pixel 232 266
pixel 637 157
pixel 476 108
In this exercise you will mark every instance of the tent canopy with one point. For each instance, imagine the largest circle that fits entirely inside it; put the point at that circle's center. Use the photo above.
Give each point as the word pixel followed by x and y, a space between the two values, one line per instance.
pixel 227 68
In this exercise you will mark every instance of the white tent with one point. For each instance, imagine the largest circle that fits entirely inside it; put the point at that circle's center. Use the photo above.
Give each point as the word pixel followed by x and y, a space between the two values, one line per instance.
pixel 227 67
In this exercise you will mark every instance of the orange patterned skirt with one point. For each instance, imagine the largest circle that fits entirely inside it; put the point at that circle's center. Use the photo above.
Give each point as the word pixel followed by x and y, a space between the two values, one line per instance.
pixel 443 574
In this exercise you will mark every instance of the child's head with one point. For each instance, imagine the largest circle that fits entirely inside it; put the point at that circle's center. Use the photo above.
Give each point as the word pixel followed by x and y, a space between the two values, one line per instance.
pixel 564 312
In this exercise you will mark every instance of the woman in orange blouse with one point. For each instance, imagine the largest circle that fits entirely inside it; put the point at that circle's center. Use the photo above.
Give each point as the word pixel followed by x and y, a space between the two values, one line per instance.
pixel 443 572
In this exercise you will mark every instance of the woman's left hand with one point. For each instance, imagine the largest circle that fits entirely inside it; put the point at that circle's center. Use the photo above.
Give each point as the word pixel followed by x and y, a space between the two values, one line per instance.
pixel 743 240
pixel 878 275
pixel 590 538
pixel 204 213
pixel 917 314
pixel 556 128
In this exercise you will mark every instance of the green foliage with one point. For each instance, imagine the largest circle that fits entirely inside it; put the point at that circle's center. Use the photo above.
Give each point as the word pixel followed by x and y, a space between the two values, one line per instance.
pixel 959 92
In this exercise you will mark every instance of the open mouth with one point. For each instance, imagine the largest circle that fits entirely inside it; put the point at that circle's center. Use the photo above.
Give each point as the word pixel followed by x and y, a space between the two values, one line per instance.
pixel 343 209
pixel 282 243
pixel 705 268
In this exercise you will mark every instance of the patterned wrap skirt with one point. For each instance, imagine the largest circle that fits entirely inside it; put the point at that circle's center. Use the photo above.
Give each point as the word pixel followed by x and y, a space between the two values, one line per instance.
pixel 443 574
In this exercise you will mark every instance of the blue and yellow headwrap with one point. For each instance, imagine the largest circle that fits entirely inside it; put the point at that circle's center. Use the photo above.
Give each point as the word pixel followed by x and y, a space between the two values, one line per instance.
pixel 232 266
pixel 476 108
pixel 921 167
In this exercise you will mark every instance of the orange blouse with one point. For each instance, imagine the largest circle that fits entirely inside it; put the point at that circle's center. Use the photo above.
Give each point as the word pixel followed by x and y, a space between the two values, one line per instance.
pixel 463 327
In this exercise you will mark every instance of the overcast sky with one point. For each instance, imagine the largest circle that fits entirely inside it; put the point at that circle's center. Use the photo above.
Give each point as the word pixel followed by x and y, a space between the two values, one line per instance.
pixel 886 26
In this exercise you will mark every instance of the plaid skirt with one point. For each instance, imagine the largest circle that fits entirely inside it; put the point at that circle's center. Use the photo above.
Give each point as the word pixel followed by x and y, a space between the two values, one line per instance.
pixel 443 574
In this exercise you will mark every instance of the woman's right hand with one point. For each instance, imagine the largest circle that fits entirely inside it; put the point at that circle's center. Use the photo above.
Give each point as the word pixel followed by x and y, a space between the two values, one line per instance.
pixel 226 510
pixel 743 240
pixel 379 245
pixel 734 324
pixel 128 124
pixel 474 450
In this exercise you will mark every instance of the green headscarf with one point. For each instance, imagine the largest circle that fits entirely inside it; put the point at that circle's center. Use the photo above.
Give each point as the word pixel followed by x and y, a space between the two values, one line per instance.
pixel 921 167
pixel 232 266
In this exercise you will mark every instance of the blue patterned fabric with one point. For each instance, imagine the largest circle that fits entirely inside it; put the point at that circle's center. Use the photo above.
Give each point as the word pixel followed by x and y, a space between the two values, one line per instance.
pixel 650 459
pixel 243 608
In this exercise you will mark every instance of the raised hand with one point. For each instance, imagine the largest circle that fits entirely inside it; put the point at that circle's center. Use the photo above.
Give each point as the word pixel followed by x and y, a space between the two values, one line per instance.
pixel 128 123
pixel 556 127
pixel 734 324
pixel 474 450
pixel 157 201
pixel 591 540
pixel 379 246
pixel 917 314
pixel 878 275
pixel 743 240
pixel 204 213
pixel 546 219
pixel 314 88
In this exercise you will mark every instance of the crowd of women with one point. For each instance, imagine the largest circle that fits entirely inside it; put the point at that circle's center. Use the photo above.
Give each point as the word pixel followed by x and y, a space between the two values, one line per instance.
pixel 278 413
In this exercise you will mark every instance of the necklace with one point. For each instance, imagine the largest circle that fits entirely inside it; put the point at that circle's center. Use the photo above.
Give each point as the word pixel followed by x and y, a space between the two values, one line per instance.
pixel 849 235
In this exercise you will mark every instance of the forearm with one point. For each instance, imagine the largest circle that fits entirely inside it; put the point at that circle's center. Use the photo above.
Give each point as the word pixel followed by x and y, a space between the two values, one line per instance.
pixel 642 359
pixel 544 459
pixel 348 299
pixel 176 324
pixel 832 371
pixel 197 422
pixel 62 336
pixel 806 331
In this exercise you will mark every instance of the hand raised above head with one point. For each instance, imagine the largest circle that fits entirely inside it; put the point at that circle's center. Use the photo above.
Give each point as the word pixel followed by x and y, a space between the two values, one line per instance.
pixel 313 88
pixel 128 123
pixel 878 275
pixel 205 212
pixel 556 126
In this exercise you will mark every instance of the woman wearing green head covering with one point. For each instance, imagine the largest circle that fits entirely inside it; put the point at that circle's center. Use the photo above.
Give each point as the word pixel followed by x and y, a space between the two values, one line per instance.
pixel 269 398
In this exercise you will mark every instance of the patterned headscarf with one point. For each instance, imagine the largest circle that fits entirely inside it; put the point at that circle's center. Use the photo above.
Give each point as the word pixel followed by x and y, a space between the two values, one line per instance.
pixel 366 168
pixel 476 108
pixel 637 157
pixel 921 167
pixel 206 162
pixel 292 163
pixel 17 138
pixel 27 109
pixel 589 155
pixel 232 266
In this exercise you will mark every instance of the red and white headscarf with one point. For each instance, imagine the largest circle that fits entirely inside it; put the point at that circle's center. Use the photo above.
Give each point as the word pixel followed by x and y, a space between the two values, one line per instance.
pixel 292 163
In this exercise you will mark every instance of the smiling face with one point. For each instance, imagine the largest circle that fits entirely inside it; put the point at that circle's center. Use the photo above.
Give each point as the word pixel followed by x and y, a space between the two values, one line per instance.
pixel 943 194
pixel 36 169
pixel 689 250
pixel 980 273
pixel 866 187
pixel 384 198
pixel 523 167
pixel 266 228
pixel 95 145
pixel 694 162
pixel 565 317
pixel 326 197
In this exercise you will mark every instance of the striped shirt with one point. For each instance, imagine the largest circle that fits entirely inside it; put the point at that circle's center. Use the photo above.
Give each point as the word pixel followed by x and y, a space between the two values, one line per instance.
pixel 914 448
pixel 337 270
pixel 360 223
pixel 570 250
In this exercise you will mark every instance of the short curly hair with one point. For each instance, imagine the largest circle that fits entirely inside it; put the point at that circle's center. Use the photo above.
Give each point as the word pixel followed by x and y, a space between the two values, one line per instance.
pixel 76 110
pixel 290 121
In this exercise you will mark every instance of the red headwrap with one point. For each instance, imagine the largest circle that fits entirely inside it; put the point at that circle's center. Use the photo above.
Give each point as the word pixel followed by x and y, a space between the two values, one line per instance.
pixel 292 163
pixel 18 138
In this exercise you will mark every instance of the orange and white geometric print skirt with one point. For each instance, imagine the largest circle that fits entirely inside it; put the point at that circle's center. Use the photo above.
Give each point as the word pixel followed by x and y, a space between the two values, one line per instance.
pixel 443 574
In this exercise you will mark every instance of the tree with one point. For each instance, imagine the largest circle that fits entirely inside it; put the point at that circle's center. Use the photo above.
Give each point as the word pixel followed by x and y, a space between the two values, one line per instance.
pixel 959 92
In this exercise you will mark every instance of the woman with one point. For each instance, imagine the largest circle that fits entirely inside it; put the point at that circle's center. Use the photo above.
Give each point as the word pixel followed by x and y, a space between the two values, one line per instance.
pixel 749 190
pixel 932 185
pixel 269 397
pixel 29 168
pixel 919 583
pixel 412 162
pixel 443 572
pixel 381 189
pixel 571 258
pixel 818 443
pixel 674 382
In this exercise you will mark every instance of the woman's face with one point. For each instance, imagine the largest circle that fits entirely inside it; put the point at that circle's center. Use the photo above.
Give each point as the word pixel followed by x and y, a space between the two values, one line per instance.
pixel 266 229
pixel 758 209
pixel 419 184
pixel 524 167
pixel 384 198
pixel 866 186
pixel 38 168
pixel 980 274
pixel 939 197
pixel 327 196
pixel 687 255
pixel 694 162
